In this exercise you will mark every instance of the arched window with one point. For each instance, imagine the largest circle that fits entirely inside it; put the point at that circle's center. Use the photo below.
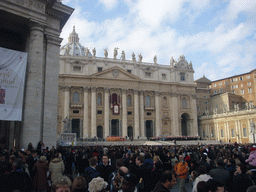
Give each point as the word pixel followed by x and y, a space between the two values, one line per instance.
pixel 76 98
pixel 114 98
pixel 99 99
pixel 148 101
pixel 184 103
pixel 129 100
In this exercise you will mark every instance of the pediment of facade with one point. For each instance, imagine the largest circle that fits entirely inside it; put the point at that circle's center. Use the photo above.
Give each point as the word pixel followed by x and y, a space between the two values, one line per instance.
pixel 115 73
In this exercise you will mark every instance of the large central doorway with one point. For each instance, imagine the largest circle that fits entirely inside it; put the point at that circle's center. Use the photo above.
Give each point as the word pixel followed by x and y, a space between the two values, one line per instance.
pixel 115 127
pixel 149 128
pixel 185 124
pixel 76 127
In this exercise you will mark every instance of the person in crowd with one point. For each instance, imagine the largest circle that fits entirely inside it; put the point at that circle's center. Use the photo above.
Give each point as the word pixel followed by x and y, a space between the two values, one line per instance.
pixel 105 169
pixel 167 182
pixel 69 159
pixel 252 158
pixel 79 184
pixel 241 180
pixel 202 177
pixel 31 162
pixel 56 167
pixel 214 186
pixel 220 173
pixel 62 184
pixel 18 179
pixel 97 184
pixel 119 163
pixel 142 172
pixel 40 179
pixel 181 170
pixel 91 171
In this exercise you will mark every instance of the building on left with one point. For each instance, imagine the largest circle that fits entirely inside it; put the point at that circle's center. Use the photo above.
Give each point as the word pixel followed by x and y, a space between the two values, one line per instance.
pixel 34 26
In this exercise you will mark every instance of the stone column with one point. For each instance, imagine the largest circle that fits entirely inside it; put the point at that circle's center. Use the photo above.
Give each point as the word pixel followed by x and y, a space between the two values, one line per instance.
pixel 93 113
pixel 106 113
pixel 158 119
pixel 51 83
pixel 136 115
pixel 86 113
pixel 33 95
pixel 66 104
pixel 174 114
pixel 124 113
pixel 142 112
pixel 194 126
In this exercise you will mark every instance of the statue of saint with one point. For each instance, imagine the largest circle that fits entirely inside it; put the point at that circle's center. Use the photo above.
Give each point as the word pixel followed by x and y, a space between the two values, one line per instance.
pixel 66 125
pixel 115 52
pixel 172 61
pixel 252 127
pixel 86 52
pixel 155 59
pixel 140 57
pixel 94 52
pixel 123 56
pixel 133 57
pixel 106 53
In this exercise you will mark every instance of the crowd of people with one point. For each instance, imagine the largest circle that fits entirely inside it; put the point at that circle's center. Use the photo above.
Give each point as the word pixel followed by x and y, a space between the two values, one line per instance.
pixel 129 168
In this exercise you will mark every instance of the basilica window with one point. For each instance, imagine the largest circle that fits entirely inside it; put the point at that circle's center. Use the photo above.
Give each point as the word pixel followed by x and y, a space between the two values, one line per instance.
pixel 129 71
pixel 165 102
pixel 148 74
pixel 129 100
pixel 182 76
pixel 245 132
pixel 164 76
pixel 148 101
pixel 76 98
pixel 232 133
pixel 99 99
pixel 249 90
pixel 99 69
pixel 184 103
pixel 221 133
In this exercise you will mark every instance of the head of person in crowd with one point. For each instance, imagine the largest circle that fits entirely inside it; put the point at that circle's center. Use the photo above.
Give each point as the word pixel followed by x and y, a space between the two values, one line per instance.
pixel 181 158
pixel 168 179
pixel 97 185
pixel 62 184
pixel 156 159
pixel 194 174
pixel 201 187
pixel 139 160
pixel 119 163
pixel 202 170
pixel 231 162
pixel 214 186
pixel 125 180
pixel 79 183
pixel 17 164
pixel 105 159
pixel 42 159
pixel 34 154
pixel 241 169
pixel 93 161
pixel 220 162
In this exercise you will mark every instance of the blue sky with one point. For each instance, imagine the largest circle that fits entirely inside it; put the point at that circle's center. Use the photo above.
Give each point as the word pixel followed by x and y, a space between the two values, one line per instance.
pixel 218 36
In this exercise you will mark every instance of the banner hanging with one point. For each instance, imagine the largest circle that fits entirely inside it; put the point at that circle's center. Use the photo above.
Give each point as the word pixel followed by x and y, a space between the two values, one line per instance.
pixel 12 77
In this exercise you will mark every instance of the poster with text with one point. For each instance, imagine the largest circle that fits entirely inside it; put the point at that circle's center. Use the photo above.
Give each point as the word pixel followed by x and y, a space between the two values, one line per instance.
pixel 12 77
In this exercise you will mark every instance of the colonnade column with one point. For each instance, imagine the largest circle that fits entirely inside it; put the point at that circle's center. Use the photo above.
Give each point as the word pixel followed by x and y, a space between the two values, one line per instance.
pixel 194 126
pixel 142 112
pixel 33 94
pixel 86 113
pixel 93 112
pixel 124 113
pixel 136 114
pixel 66 106
pixel 158 120
pixel 106 113
pixel 174 114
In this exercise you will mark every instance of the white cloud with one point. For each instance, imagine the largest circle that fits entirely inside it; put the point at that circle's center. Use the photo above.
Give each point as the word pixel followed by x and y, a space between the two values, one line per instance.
pixel 238 6
pixel 109 4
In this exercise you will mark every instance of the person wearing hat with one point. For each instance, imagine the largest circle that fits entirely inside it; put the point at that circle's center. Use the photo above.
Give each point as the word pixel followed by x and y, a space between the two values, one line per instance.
pixel 252 158
pixel 40 179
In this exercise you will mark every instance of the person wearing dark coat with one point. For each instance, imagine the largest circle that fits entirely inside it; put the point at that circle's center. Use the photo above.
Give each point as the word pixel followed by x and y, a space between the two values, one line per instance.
pixel 241 180
pixel 31 161
pixel 91 172
pixel 40 179
pixel 18 179
pixel 220 173
pixel 104 169
pixel 69 159
pixel 167 182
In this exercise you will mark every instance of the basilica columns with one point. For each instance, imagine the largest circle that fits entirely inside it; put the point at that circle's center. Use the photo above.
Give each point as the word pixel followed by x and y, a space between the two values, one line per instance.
pixel 136 114
pixel 124 113
pixel 142 123
pixel 158 120
pixel 106 113
pixel 86 113
pixel 93 113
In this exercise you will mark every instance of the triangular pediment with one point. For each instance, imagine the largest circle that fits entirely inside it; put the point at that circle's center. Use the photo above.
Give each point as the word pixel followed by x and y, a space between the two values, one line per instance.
pixel 115 73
